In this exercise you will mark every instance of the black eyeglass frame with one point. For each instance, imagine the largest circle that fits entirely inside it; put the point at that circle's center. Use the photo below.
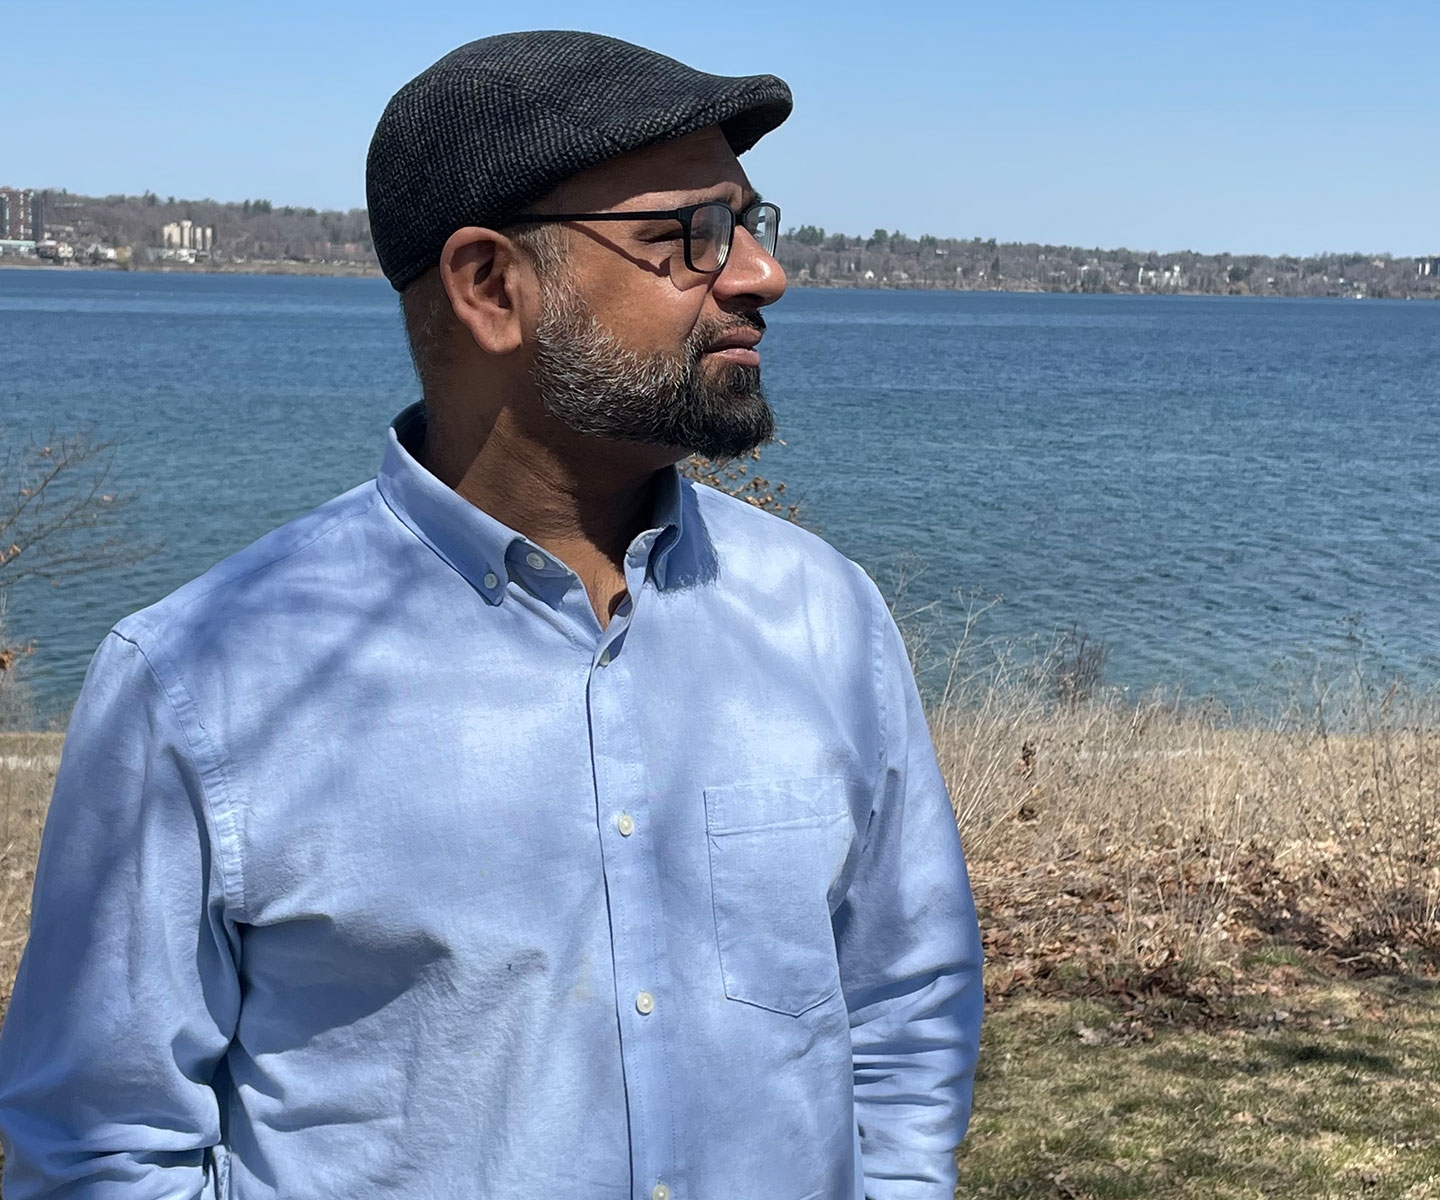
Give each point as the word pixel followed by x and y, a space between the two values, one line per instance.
pixel 683 215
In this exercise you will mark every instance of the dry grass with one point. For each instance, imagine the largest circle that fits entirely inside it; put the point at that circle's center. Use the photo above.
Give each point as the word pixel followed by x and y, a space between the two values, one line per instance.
pixel 27 773
pixel 1144 846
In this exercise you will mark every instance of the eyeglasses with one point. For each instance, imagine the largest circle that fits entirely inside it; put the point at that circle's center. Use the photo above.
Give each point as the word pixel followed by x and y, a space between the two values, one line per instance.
pixel 709 228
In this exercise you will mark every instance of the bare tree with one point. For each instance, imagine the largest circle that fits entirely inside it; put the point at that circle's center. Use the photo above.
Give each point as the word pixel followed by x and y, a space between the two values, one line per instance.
pixel 58 519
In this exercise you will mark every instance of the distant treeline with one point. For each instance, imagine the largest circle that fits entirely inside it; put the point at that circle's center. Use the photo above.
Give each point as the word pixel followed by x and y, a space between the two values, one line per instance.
pixel 250 229
pixel 886 259
pixel 258 230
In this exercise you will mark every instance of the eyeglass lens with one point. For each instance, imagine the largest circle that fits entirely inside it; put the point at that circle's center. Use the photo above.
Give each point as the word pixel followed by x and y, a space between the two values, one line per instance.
pixel 763 222
pixel 712 229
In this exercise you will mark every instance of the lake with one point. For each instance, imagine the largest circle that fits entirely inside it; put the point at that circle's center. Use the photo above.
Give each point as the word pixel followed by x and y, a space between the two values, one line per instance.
pixel 1219 489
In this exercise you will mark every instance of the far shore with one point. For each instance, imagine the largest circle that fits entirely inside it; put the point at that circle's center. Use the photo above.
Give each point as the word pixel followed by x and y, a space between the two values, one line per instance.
pixel 251 267
pixel 372 271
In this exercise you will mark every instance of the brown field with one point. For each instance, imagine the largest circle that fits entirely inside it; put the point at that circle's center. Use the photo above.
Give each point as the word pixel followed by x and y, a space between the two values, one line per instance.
pixel 1212 947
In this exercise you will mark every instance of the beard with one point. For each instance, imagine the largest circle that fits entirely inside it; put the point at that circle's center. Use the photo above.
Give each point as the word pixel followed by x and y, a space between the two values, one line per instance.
pixel 588 380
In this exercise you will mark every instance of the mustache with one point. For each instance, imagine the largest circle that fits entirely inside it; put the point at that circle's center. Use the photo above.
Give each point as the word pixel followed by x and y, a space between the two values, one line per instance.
pixel 710 331
pixel 749 319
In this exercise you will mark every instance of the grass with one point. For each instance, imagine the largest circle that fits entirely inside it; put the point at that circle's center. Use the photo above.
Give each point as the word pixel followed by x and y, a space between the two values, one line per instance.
pixel 1212 944
pixel 1333 1095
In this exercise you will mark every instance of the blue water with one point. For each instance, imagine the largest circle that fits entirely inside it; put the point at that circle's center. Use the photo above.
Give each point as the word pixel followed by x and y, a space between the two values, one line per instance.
pixel 1215 487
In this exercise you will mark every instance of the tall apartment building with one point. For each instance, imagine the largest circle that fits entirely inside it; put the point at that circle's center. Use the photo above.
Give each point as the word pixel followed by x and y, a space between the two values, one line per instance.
pixel 22 215
pixel 186 235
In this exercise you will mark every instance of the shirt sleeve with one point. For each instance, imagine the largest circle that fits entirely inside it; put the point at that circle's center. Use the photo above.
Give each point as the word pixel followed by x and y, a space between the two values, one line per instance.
pixel 127 994
pixel 910 958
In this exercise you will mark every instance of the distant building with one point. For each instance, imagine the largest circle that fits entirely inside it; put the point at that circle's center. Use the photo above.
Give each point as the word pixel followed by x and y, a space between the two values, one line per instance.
pixel 22 215
pixel 186 235
pixel 1427 266
pixel 1156 277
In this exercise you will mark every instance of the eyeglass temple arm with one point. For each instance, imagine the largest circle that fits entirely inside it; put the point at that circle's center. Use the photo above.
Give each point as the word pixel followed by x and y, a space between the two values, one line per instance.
pixel 549 218
pixel 669 214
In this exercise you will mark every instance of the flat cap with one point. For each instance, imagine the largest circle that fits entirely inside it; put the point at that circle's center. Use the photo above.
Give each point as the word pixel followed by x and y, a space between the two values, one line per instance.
pixel 500 122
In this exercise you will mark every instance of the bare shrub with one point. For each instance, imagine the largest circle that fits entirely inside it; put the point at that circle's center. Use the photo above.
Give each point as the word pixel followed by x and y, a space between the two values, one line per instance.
pixel 735 478
pixel 58 515
pixel 17 700
pixel 1077 666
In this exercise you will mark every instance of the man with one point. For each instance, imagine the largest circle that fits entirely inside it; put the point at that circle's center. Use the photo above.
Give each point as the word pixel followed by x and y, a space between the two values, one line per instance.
pixel 527 821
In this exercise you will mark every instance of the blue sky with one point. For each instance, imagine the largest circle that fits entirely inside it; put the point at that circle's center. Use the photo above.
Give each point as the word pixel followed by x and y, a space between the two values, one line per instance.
pixel 1263 127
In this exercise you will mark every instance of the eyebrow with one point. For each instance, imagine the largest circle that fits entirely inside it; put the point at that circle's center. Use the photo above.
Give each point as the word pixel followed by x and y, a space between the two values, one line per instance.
pixel 748 196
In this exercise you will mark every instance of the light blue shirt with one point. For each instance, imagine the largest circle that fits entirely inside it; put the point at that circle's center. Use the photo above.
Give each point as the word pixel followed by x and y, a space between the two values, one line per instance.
pixel 376 868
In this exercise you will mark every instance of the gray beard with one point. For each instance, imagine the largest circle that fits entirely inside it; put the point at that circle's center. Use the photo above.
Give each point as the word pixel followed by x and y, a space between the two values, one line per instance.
pixel 589 381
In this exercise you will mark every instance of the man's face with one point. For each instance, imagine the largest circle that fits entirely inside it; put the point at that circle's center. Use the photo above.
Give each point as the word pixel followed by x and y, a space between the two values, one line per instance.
pixel 633 345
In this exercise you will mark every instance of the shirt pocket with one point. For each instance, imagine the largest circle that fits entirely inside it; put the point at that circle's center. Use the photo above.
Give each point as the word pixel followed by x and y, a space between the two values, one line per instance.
pixel 775 850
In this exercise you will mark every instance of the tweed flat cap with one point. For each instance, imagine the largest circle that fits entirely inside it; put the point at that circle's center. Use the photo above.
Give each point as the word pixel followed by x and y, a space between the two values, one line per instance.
pixel 498 123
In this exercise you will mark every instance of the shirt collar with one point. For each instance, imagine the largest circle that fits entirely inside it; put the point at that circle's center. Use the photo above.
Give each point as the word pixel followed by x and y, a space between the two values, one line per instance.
pixel 668 522
pixel 489 553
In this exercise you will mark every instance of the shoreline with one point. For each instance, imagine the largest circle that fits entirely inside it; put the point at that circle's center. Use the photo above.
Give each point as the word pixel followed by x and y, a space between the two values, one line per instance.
pixel 276 267
pixel 253 267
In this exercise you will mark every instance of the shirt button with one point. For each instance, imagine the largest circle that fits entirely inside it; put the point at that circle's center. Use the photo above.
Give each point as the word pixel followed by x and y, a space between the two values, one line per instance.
pixel 605 657
pixel 536 560
pixel 491 579
pixel 625 824
pixel 660 1192
pixel 645 1005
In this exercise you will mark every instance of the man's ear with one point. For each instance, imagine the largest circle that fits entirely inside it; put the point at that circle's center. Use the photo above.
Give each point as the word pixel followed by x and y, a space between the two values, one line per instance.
pixel 487 280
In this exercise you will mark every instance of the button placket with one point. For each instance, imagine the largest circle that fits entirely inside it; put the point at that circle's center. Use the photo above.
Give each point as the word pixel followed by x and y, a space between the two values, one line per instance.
pixel 636 944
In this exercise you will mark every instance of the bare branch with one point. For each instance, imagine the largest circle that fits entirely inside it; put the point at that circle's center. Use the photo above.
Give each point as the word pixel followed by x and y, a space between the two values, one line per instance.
pixel 58 514
pixel 733 477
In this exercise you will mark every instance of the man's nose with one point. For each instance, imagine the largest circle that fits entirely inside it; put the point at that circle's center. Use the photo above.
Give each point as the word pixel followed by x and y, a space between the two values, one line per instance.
pixel 750 273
